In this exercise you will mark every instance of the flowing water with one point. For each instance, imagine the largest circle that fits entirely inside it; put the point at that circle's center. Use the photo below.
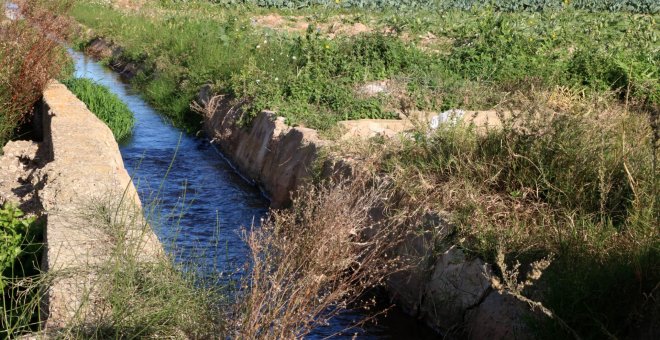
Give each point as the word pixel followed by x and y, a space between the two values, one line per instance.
pixel 203 203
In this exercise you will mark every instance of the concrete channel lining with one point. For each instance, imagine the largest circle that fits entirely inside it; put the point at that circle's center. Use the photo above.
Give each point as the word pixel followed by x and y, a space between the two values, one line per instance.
pixel 85 170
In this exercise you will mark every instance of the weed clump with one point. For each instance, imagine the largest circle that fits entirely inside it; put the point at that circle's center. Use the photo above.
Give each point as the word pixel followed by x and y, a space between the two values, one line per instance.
pixel 21 246
pixel 313 261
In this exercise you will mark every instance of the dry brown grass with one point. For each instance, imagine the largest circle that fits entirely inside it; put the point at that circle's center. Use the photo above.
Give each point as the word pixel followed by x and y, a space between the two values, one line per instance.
pixel 30 55
pixel 316 259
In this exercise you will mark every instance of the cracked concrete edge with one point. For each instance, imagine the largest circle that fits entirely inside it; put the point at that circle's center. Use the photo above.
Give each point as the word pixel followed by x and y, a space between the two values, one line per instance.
pixel 85 167
pixel 457 299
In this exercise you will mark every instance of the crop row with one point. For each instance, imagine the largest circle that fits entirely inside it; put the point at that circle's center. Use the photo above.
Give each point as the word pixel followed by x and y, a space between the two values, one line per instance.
pixel 635 6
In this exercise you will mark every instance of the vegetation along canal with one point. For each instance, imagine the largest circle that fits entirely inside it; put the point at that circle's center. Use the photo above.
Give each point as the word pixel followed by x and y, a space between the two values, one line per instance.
pixel 199 202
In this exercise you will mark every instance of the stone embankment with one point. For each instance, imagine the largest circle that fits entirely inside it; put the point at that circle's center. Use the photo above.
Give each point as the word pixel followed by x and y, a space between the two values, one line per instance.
pixel 84 172
pixel 281 157
pixel 277 156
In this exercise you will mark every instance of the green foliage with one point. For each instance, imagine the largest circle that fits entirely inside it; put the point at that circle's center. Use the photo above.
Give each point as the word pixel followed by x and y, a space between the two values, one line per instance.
pixel 105 105
pixel 16 233
pixel 21 240
pixel 311 79
pixel 577 285
pixel 579 185
pixel 321 90
pixel 367 4
pixel 635 6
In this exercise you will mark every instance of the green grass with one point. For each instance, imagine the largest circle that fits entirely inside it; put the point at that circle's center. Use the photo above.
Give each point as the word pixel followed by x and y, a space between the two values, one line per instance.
pixel 477 58
pixel 104 104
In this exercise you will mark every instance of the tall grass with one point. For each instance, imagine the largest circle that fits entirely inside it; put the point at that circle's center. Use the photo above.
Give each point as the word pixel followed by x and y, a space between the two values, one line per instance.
pixel 104 104
pixel 29 57
pixel 566 175
pixel 144 295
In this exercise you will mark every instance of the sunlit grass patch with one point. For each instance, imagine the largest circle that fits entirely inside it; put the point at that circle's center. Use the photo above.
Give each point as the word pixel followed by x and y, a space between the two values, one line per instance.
pixel 104 104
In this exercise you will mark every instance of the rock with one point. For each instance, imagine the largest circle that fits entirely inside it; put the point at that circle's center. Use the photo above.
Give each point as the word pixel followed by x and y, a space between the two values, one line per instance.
pixel 100 48
pixel 368 128
pixel 20 149
pixel 482 121
pixel 374 88
pixel 19 166
pixel 408 286
pixel 457 284
pixel 499 316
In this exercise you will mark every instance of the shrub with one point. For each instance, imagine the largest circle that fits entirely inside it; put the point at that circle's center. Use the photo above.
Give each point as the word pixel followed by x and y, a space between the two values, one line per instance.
pixel 105 105
pixel 17 232
pixel 311 262
pixel 28 59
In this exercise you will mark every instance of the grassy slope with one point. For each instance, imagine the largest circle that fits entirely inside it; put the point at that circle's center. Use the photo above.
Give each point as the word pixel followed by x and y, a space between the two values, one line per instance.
pixel 480 57
pixel 579 184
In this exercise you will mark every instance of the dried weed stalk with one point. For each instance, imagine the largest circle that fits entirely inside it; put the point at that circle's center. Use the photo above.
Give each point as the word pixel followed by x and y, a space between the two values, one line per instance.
pixel 314 260
pixel 30 55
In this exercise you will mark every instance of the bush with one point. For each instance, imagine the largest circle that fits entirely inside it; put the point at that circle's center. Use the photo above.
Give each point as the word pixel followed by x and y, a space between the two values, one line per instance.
pixel 29 58
pixel 17 233
pixel 105 105
pixel 314 260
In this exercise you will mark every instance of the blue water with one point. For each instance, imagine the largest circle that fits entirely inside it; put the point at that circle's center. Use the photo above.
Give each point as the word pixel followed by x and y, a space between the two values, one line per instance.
pixel 201 203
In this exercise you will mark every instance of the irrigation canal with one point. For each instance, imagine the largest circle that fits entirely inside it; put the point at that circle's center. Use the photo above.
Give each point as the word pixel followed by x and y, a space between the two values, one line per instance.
pixel 201 204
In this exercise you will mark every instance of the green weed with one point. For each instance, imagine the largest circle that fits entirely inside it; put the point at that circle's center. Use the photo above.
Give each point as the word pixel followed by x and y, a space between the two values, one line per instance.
pixel 104 104
pixel 21 245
